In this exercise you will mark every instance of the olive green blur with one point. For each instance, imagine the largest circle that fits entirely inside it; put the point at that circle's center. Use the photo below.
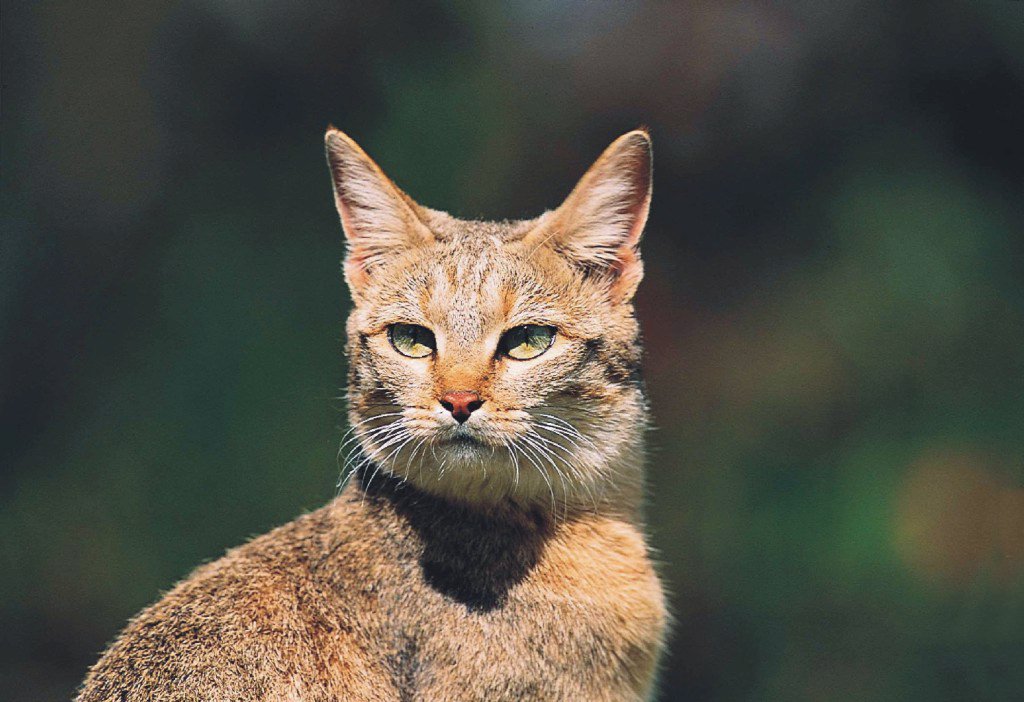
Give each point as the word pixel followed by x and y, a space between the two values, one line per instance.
pixel 833 305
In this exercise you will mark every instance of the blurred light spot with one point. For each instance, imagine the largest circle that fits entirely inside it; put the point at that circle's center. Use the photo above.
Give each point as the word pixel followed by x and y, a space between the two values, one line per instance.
pixel 957 519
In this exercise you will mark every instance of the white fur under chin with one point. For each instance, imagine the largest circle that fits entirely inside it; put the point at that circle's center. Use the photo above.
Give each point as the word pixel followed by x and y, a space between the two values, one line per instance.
pixel 587 478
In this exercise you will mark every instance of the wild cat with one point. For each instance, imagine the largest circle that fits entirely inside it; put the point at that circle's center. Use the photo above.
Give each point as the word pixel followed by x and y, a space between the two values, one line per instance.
pixel 489 544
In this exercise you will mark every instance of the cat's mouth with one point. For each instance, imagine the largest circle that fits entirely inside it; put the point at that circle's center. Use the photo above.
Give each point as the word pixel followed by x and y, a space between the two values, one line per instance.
pixel 463 436
pixel 467 440
pixel 464 441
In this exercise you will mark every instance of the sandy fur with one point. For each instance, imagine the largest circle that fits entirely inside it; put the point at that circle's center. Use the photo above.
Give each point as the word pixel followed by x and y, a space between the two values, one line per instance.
pixel 502 559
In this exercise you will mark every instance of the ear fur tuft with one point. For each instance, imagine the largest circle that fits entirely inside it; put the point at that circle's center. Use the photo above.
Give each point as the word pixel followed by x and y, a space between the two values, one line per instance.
pixel 379 219
pixel 599 225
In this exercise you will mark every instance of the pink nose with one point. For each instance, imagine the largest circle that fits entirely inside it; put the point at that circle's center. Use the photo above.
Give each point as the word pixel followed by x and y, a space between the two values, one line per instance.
pixel 461 403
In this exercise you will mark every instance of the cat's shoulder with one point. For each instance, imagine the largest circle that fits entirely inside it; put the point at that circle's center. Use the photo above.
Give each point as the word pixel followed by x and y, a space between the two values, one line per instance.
pixel 607 561
pixel 613 543
pixel 259 604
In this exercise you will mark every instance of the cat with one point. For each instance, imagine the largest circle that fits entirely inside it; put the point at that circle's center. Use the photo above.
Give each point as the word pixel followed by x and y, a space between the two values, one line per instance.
pixel 489 542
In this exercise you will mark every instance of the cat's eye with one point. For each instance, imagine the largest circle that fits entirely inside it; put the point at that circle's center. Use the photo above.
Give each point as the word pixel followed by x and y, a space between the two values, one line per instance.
pixel 412 340
pixel 526 342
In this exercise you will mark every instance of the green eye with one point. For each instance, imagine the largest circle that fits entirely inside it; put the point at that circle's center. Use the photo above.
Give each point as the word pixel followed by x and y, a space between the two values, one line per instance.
pixel 412 340
pixel 526 342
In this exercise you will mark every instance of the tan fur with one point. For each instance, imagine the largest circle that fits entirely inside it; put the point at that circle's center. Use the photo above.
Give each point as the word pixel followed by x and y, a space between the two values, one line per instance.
pixel 502 558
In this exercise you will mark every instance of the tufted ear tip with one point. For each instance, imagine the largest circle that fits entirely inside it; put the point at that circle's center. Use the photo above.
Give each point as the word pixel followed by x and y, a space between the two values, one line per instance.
pixel 343 150
pixel 378 219
pixel 599 225
pixel 332 134
pixel 639 135
pixel 633 153
pixel 638 142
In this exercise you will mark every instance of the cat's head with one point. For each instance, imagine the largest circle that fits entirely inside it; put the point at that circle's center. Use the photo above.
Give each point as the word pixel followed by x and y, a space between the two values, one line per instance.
pixel 497 360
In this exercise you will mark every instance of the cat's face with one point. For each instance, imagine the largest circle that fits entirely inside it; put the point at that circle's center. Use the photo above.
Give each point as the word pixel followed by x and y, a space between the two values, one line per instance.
pixel 496 360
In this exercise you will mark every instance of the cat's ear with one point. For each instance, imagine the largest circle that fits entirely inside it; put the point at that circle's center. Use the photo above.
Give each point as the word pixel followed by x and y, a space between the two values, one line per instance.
pixel 598 227
pixel 379 219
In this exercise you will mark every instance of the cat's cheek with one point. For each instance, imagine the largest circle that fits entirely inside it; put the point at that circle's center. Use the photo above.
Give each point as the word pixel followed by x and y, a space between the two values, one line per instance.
pixel 406 380
pixel 390 362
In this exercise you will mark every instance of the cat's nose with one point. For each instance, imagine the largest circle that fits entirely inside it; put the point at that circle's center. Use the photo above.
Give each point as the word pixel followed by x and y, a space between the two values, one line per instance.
pixel 461 403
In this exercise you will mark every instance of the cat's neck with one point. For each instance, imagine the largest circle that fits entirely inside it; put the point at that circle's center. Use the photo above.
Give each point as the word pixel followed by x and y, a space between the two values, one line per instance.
pixel 621 498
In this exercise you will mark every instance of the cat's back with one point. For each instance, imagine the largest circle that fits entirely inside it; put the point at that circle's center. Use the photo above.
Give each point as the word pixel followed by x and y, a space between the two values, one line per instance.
pixel 259 623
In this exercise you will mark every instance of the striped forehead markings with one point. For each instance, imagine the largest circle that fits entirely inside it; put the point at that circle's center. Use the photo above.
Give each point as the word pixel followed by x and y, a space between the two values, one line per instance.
pixel 466 290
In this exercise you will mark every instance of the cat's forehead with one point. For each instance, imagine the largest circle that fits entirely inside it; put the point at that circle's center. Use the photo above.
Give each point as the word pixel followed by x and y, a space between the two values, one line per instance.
pixel 474 279
pixel 475 233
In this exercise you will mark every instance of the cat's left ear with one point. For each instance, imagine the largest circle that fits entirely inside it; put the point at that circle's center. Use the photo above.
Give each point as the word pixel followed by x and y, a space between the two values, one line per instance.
pixel 599 225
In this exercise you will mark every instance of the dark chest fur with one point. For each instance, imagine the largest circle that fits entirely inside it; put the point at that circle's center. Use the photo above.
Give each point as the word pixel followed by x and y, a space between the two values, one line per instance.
pixel 389 594
pixel 508 602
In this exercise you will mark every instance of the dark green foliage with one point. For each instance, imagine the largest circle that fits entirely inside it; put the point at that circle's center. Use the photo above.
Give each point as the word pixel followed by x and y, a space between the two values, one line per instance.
pixel 834 304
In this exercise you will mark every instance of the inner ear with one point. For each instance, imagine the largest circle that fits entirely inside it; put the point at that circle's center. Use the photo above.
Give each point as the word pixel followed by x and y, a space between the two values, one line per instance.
pixel 379 219
pixel 598 227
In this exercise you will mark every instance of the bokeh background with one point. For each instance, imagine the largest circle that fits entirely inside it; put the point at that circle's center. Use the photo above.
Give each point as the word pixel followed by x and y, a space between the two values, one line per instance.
pixel 834 305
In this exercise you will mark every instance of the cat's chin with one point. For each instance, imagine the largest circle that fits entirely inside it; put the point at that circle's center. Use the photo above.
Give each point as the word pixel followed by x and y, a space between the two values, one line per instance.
pixel 463 447
pixel 479 462
pixel 466 438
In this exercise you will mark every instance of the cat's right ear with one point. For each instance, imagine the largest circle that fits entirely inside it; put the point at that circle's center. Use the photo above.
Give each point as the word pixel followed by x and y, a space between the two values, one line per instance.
pixel 599 225
pixel 379 219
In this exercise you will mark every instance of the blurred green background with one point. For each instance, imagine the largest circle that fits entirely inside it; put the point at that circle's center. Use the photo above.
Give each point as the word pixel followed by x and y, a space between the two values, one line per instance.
pixel 834 303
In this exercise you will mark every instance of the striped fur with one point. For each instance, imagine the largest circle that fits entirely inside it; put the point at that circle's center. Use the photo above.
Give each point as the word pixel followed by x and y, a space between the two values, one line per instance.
pixel 502 561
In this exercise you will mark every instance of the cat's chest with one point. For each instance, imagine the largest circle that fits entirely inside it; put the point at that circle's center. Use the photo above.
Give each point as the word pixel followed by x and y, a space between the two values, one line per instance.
pixel 586 609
